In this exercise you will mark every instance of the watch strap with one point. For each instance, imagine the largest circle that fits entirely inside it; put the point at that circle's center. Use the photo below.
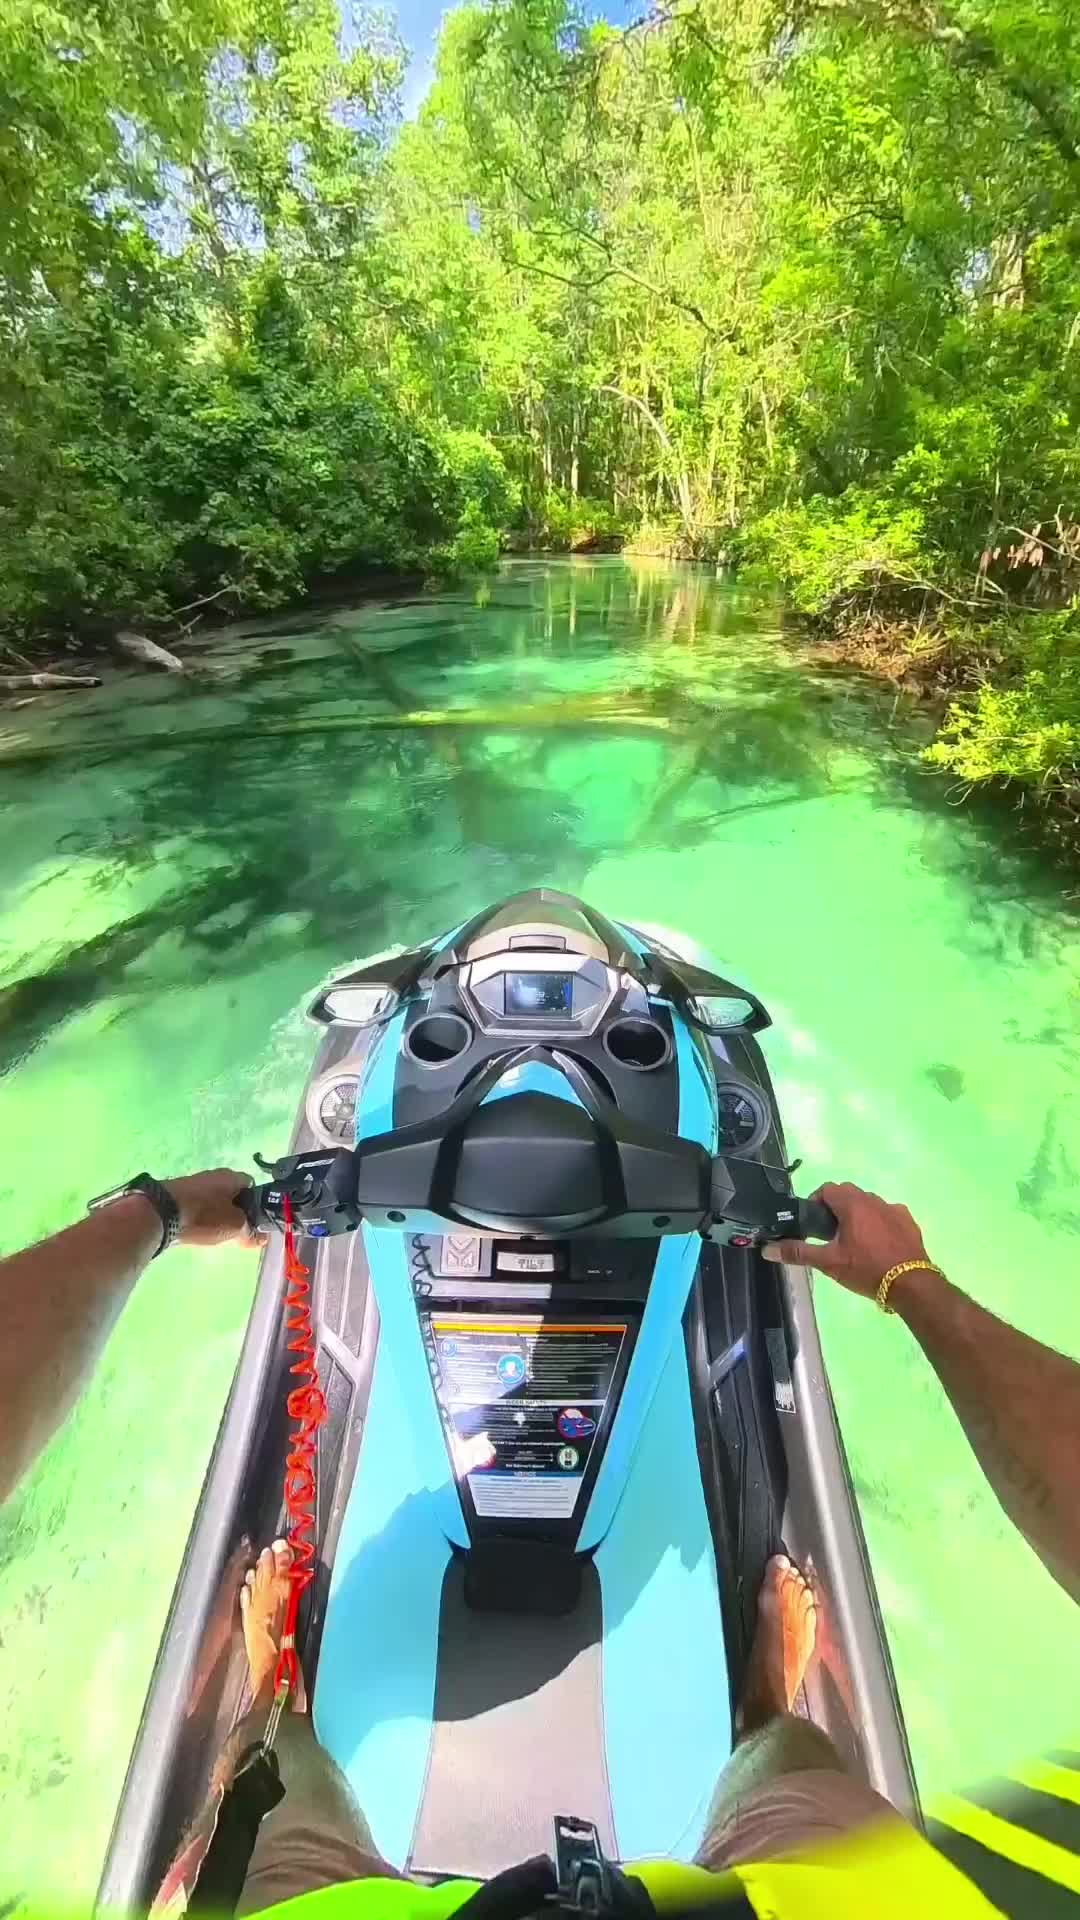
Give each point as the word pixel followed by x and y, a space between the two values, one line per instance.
pixel 160 1199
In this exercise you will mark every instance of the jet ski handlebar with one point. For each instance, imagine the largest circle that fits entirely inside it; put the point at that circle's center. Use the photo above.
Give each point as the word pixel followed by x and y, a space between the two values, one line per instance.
pixel 814 1221
pixel 532 1163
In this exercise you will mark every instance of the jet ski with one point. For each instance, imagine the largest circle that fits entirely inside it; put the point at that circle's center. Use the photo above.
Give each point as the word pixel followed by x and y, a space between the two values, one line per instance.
pixel 570 1411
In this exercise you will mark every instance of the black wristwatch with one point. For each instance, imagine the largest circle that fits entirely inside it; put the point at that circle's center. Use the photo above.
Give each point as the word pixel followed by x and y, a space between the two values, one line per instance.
pixel 160 1199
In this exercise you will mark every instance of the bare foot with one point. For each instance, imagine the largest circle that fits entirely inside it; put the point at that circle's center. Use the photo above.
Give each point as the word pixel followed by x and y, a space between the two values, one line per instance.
pixel 263 1598
pixel 828 1650
pixel 783 1644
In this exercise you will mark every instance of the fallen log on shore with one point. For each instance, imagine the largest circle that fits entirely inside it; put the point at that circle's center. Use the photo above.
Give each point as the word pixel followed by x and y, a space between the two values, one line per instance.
pixel 15 682
pixel 138 647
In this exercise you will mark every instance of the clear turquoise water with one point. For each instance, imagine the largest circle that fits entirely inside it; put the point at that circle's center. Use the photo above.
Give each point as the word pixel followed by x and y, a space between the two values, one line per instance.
pixel 181 865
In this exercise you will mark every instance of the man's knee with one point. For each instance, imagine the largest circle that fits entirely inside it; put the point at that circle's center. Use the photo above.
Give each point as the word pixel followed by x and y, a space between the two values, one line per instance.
pixel 787 1744
pixel 784 1789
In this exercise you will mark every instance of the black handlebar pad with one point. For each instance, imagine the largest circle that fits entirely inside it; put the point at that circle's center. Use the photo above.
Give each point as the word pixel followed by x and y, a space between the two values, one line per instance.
pixel 533 1163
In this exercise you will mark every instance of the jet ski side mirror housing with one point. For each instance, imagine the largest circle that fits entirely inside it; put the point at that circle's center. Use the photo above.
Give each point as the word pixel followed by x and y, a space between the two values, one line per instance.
pixel 371 991
pixel 707 1000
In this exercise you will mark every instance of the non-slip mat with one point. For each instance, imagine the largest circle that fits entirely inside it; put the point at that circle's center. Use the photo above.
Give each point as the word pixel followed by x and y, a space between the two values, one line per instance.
pixel 667 1707
pixel 618 1713
pixel 518 1734
pixel 375 1685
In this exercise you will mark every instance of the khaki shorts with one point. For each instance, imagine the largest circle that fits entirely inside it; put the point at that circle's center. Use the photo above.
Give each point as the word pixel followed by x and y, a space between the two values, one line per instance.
pixel 783 1790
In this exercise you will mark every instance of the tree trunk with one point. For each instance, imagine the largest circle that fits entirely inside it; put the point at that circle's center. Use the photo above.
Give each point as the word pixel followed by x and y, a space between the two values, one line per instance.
pixel 148 651
pixel 766 419
pixel 679 474
pixel 1007 257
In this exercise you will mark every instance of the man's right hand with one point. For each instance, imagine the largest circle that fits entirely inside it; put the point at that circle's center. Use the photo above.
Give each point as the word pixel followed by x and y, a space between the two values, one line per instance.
pixel 873 1235
pixel 210 1210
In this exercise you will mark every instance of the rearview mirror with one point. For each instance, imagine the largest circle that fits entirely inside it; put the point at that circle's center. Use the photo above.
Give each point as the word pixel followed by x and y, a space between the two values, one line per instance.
pixel 355 1006
pixel 724 1013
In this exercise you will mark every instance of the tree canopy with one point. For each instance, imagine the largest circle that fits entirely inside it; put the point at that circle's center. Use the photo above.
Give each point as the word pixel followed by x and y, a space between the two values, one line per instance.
pixel 796 282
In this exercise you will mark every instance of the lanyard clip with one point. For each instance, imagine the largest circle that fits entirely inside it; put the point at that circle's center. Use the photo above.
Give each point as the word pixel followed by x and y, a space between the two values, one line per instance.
pixel 582 1873
pixel 281 1701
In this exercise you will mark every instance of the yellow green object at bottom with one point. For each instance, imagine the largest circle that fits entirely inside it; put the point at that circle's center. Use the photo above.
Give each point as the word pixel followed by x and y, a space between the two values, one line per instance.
pixel 891 1872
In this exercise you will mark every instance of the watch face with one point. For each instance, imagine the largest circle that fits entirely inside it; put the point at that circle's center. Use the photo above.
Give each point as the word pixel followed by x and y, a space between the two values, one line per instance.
pixel 114 1193
pixel 102 1199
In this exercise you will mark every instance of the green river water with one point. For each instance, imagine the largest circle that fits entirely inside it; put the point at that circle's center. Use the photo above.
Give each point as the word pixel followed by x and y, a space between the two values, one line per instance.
pixel 183 863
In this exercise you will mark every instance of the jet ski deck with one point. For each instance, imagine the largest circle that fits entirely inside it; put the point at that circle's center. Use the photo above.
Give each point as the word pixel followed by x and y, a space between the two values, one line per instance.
pixel 564 1626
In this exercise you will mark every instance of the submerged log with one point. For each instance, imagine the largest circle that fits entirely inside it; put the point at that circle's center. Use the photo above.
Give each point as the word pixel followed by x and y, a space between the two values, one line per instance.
pixel 588 711
pixel 148 651
pixel 14 682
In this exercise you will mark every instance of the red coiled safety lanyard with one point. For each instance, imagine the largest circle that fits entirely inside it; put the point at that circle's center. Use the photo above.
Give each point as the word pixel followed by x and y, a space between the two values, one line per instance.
pixel 256 1785
pixel 307 1408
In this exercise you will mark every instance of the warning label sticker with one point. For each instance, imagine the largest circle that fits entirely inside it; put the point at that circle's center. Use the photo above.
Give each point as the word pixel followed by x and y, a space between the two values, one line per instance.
pixel 522 1399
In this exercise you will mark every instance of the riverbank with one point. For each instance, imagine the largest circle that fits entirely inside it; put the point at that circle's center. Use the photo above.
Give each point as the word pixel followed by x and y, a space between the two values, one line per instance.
pixel 100 652
pixel 1006 689
pixel 93 653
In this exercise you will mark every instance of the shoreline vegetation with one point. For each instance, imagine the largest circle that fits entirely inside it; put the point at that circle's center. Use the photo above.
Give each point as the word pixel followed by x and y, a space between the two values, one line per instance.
pixel 791 286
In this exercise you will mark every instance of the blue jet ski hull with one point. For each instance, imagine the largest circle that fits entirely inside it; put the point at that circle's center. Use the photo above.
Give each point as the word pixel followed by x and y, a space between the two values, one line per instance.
pixel 484 1649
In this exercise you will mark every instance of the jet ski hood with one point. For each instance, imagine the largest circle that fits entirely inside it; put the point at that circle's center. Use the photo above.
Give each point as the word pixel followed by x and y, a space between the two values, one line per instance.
pixel 541 974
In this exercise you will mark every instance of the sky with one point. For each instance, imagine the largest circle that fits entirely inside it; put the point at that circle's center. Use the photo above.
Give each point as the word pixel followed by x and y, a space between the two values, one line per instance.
pixel 418 24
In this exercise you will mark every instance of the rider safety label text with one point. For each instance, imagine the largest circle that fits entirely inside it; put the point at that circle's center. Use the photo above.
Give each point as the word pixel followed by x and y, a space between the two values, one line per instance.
pixel 522 1400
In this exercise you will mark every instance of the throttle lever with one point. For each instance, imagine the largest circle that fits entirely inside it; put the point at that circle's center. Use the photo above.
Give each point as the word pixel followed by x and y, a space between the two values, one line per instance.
pixel 249 1201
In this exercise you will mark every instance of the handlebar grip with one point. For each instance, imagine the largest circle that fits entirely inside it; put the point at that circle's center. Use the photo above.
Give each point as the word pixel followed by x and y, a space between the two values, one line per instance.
pixel 816 1221
pixel 249 1200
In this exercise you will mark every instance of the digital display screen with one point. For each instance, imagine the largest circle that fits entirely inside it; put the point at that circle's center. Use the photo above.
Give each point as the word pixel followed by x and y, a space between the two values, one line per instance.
pixel 531 993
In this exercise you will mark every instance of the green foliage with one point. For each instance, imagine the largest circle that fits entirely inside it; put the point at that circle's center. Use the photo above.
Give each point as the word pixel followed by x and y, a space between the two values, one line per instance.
pixel 824 549
pixel 670 539
pixel 477 484
pixel 196 406
pixel 565 523
pixel 1027 729
pixel 663 539
pixel 247 471
pixel 475 546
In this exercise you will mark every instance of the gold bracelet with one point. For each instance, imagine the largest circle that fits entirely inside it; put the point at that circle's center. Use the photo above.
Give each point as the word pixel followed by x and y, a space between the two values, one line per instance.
pixel 906 1266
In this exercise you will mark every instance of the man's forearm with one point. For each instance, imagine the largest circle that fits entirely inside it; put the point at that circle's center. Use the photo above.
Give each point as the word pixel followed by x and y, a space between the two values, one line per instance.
pixel 60 1301
pixel 1018 1403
